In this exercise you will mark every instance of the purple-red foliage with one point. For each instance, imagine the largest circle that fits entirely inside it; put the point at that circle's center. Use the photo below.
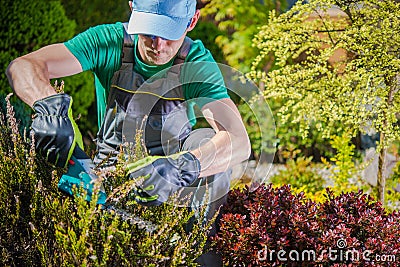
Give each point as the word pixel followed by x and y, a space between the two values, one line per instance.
pixel 348 230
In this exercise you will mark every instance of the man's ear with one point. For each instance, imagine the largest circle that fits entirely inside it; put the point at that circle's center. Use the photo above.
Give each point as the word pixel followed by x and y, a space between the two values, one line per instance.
pixel 194 20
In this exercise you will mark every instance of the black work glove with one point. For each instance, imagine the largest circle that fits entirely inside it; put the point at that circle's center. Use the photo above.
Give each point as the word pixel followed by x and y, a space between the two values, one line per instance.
pixel 55 131
pixel 163 176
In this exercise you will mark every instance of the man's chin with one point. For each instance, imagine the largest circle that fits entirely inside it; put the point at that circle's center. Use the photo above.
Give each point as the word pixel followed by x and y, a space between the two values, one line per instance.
pixel 159 61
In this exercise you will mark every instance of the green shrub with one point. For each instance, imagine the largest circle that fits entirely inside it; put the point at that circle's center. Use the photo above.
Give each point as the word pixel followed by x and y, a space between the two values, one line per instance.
pixel 29 25
pixel 336 69
pixel 238 22
pixel 392 193
pixel 345 172
pixel 301 173
pixel 260 127
pixel 39 226
pixel 206 31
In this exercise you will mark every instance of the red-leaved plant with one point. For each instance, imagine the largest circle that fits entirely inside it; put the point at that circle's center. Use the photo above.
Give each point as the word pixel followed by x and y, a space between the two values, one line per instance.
pixel 272 227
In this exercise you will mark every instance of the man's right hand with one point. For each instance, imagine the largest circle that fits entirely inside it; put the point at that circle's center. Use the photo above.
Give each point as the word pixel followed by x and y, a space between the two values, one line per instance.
pixel 163 176
pixel 55 131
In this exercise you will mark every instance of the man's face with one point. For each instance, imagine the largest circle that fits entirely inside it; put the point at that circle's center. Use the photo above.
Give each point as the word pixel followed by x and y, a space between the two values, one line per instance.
pixel 156 50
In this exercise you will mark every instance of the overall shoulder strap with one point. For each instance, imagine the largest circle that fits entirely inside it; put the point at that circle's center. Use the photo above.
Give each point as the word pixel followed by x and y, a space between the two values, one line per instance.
pixel 128 47
pixel 183 51
pixel 181 56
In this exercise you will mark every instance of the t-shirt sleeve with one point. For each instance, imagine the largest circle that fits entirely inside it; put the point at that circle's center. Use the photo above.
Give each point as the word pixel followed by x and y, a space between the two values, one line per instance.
pixel 203 80
pixel 99 48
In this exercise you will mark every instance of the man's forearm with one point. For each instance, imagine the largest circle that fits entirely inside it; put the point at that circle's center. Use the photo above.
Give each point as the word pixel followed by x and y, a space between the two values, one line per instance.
pixel 29 80
pixel 29 75
pixel 221 152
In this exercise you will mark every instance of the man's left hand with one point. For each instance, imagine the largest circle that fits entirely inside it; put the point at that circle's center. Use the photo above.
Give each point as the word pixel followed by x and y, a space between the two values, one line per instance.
pixel 163 176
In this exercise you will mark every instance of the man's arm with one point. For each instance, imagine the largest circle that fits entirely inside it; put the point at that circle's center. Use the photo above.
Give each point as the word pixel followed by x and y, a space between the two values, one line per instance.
pixel 230 145
pixel 55 131
pixel 29 75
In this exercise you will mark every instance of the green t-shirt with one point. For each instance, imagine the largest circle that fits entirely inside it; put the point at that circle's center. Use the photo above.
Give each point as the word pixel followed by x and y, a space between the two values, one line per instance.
pixel 99 49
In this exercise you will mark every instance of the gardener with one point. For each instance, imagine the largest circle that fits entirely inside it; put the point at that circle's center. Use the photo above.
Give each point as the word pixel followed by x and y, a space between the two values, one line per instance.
pixel 123 57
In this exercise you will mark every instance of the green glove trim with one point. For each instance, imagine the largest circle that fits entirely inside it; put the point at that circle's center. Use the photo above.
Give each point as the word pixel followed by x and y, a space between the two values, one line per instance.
pixel 146 199
pixel 77 134
pixel 141 163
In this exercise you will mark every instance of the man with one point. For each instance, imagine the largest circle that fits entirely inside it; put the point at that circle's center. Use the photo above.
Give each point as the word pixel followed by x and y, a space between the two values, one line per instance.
pixel 127 61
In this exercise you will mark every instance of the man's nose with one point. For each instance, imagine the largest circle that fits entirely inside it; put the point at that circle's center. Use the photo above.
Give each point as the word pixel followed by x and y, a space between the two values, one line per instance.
pixel 157 43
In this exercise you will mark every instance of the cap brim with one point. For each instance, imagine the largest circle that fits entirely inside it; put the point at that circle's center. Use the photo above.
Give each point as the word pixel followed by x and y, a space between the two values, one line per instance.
pixel 158 25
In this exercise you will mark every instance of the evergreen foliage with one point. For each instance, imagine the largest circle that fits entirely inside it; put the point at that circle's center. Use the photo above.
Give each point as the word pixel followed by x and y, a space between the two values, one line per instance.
pixel 27 26
pixel 238 21
pixel 207 32
pixel 88 13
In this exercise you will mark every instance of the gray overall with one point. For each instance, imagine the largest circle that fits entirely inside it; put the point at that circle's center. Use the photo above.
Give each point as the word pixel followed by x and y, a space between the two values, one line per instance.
pixel 157 107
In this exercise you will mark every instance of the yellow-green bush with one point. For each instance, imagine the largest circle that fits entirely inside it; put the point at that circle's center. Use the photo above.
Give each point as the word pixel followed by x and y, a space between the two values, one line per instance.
pixel 301 174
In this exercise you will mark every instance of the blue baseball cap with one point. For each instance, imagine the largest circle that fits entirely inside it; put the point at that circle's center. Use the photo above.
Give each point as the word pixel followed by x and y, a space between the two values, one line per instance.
pixel 165 18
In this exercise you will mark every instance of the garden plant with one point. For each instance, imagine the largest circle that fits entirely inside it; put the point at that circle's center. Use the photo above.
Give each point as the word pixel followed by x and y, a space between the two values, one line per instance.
pixel 39 226
pixel 336 69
